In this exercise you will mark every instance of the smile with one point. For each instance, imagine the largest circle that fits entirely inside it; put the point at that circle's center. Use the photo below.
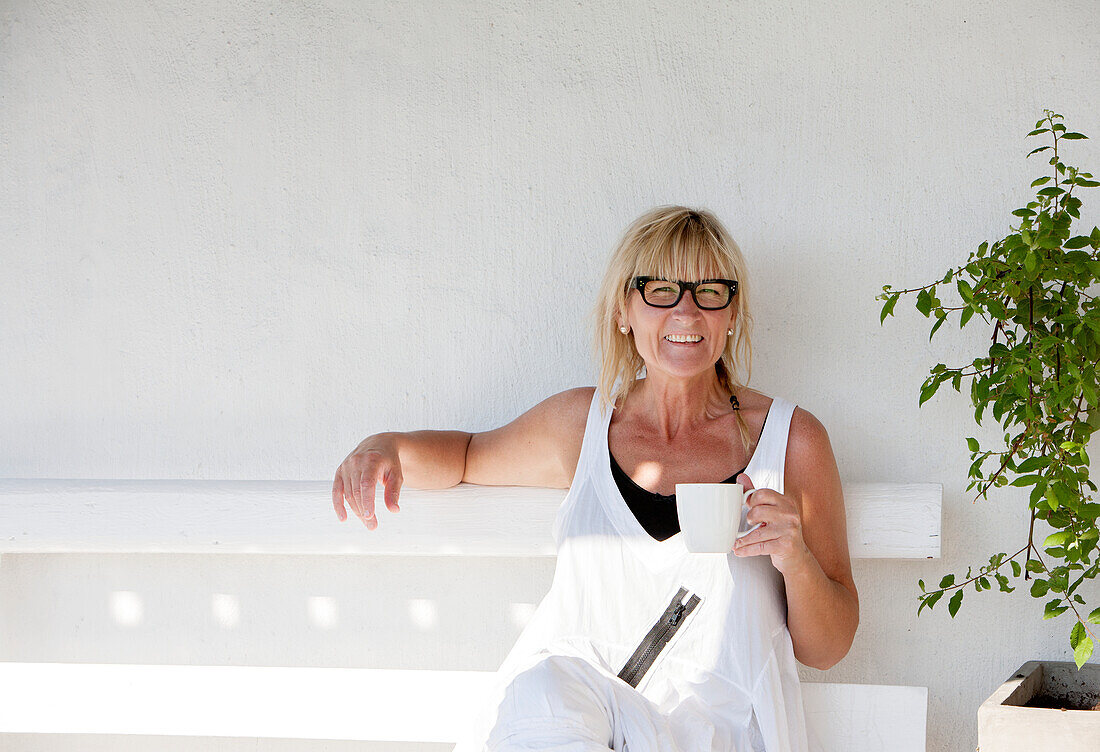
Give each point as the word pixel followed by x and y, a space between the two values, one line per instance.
pixel 683 338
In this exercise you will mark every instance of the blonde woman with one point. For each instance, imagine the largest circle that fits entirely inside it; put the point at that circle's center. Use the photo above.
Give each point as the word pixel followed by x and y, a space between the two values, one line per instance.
pixel 640 645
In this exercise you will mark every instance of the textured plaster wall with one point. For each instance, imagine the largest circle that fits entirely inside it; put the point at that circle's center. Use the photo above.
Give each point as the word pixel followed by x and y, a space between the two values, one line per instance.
pixel 237 238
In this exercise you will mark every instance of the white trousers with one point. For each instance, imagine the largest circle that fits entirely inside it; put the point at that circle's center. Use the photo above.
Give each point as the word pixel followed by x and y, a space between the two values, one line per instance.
pixel 565 704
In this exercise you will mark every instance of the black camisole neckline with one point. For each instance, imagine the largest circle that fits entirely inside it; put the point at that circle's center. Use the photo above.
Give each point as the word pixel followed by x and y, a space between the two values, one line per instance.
pixel 655 512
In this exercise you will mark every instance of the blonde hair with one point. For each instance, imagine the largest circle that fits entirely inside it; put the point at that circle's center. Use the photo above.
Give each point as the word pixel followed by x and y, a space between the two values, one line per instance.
pixel 671 242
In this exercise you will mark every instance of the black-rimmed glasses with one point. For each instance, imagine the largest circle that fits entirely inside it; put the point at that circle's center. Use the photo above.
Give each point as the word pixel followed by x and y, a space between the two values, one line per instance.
pixel 709 294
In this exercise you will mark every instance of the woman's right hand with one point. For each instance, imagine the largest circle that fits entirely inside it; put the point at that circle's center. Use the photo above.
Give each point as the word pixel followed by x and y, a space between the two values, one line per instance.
pixel 374 461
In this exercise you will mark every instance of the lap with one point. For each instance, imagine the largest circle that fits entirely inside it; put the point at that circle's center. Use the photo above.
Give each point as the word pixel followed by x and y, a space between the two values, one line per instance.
pixel 565 704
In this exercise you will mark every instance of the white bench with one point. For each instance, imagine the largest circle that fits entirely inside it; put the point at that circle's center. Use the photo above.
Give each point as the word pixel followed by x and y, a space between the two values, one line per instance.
pixel 286 517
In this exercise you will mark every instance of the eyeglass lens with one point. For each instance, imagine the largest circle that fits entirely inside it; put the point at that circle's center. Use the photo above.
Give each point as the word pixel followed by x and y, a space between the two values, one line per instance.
pixel 709 295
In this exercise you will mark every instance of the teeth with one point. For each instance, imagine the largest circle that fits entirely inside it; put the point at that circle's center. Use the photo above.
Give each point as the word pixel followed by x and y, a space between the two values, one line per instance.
pixel 683 337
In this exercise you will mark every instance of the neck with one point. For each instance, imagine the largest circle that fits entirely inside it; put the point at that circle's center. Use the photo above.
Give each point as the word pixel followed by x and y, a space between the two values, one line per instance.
pixel 675 405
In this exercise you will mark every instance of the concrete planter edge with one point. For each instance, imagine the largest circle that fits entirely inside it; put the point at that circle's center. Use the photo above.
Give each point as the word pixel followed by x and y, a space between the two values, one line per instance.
pixel 1006 725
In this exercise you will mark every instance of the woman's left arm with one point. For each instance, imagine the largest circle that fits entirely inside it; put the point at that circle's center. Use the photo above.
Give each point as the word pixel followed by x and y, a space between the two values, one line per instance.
pixel 806 537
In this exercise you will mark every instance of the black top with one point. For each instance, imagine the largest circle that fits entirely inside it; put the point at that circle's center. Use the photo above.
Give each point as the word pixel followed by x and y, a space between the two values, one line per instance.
pixel 656 512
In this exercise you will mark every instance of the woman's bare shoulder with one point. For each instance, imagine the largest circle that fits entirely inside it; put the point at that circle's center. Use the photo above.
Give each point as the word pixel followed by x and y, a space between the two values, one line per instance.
pixel 807 433
pixel 577 398
pixel 810 460
pixel 569 411
pixel 753 403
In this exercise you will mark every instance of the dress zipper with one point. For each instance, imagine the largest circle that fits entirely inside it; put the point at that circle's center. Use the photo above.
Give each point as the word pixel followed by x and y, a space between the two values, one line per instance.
pixel 658 636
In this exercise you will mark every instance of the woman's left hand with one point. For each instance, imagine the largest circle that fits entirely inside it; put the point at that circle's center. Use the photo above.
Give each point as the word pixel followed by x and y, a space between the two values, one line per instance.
pixel 781 534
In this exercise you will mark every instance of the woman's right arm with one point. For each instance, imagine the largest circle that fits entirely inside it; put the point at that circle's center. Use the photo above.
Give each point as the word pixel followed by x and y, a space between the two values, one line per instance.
pixel 539 448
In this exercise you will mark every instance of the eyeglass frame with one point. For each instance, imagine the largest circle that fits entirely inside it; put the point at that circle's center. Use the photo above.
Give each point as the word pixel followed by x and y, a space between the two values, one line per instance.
pixel 639 283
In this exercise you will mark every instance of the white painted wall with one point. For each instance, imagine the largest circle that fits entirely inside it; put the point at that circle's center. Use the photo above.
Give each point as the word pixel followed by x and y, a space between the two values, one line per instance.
pixel 237 238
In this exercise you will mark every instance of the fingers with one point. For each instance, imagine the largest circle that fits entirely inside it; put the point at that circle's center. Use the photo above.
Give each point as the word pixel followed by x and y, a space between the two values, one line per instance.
pixel 357 480
pixel 391 482
pixel 750 545
pixel 763 534
pixel 344 489
pixel 755 548
pixel 338 498
pixel 745 482
pixel 366 500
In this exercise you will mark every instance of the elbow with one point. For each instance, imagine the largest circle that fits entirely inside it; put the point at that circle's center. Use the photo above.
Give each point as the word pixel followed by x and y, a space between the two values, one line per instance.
pixel 822 656
pixel 825 663
pixel 825 660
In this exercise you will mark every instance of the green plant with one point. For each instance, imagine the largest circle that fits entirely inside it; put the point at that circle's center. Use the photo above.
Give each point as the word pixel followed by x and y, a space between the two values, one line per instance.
pixel 1039 380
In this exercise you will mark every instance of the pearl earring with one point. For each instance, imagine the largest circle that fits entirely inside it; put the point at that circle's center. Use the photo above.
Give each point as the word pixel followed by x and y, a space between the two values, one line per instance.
pixel 623 329
pixel 729 332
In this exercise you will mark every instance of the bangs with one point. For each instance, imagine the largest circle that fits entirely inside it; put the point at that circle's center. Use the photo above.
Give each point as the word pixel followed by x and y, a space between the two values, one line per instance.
pixel 686 250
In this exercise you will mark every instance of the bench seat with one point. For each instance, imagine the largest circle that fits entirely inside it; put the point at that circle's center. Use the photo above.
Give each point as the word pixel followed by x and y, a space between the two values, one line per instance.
pixel 896 521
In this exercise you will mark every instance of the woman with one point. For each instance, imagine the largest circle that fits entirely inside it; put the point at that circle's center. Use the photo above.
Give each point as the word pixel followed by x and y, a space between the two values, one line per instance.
pixel 640 645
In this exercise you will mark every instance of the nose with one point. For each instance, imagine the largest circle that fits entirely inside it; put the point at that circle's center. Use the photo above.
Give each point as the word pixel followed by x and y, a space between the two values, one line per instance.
pixel 687 304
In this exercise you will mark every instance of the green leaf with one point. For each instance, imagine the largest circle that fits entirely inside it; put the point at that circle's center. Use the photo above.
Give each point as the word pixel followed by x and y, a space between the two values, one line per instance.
pixel 972 444
pixel 966 292
pixel 937 325
pixel 928 390
pixel 1054 608
pixel 1038 130
pixel 924 302
pixel 930 601
pixel 1080 241
pixel 1094 617
pixel 1074 136
pixel 947 581
pixel 1090 393
pixel 1031 262
pixel 955 602
pixel 1086 183
pixel 1081 644
pixel 1034 566
pixel 1039 588
pixel 1083 652
pixel 1050 242
pixel 1036 151
pixel 1016 569
pixel 888 309
pixel 1033 463
pixel 965 316
pixel 1026 480
pixel 1060 538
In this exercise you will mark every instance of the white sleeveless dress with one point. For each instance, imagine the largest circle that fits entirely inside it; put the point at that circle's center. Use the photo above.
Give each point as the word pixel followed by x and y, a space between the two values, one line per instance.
pixel 641 646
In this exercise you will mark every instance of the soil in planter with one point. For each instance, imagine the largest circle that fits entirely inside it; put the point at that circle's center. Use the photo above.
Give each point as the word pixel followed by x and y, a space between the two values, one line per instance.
pixel 1077 702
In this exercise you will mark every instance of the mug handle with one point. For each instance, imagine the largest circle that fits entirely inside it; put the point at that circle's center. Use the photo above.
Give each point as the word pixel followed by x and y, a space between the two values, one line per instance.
pixel 758 524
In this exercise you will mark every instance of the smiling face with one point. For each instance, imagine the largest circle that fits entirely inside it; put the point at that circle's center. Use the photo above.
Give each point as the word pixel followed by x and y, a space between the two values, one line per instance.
pixel 682 342
pixel 672 243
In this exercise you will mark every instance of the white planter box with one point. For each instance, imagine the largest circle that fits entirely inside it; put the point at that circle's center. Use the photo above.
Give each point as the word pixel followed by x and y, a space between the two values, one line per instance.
pixel 1006 725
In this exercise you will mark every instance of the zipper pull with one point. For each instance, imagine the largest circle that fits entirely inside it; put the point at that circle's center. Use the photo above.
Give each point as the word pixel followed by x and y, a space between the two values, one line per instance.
pixel 677 615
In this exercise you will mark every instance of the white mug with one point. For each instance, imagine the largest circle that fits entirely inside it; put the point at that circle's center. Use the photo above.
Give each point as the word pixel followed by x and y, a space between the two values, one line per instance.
pixel 710 515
